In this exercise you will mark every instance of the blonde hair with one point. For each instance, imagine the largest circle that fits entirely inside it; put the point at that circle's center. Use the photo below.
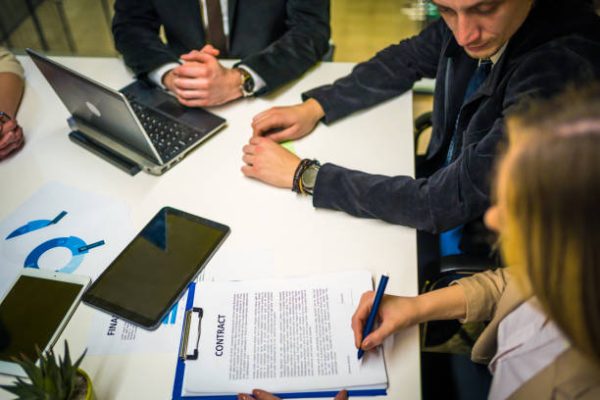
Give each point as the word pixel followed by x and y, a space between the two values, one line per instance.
pixel 551 193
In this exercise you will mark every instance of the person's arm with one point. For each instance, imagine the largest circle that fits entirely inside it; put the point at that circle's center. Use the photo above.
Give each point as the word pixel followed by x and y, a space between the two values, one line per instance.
pixel 11 91
pixel 303 44
pixel 459 192
pixel 467 299
pixel 136 27
pixel 11 83
pixel 391 72
pixel 397 312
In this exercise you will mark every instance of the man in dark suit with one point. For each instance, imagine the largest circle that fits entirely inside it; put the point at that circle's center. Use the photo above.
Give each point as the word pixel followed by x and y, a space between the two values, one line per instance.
pixel 276 40
pixel 486 55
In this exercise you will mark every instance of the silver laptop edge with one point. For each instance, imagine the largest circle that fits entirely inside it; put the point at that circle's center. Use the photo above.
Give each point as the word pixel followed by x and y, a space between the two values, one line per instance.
pixel 156 166
pixel 106 89
pixel 146 164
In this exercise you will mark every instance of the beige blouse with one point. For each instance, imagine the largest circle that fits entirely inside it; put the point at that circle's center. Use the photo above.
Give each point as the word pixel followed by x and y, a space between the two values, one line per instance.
pixel 491 296
pixel 8 63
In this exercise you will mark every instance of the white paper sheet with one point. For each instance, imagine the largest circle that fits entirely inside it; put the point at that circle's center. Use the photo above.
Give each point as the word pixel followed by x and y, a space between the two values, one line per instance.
pixel 52 229
pixel 111 335
pixel 285 335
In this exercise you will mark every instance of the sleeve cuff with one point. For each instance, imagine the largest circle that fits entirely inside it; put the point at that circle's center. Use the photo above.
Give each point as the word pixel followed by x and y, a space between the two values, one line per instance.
pixel 157 74
pixel 482 293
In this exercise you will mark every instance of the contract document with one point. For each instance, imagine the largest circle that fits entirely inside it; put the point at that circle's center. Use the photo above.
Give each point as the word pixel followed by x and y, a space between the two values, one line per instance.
pixel 280 335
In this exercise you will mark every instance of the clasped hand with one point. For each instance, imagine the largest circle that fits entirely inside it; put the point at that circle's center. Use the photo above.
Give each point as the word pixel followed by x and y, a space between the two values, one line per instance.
pixel 202 81
pixel 11 138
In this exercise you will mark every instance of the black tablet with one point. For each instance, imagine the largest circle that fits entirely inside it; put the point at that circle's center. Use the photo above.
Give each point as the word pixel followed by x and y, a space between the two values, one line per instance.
pixel 34 312
pixel 151 274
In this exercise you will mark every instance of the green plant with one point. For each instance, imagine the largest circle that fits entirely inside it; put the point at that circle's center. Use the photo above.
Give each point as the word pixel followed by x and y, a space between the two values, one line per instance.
pixel 51 380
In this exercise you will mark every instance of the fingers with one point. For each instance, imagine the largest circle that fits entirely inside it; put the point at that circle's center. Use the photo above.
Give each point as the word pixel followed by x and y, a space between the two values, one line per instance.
pixel 199 57
pixel 210 50
pixel 342 395
pixel 282 135
pixel 262 395
pixel 273 125
pixel 359 319
pixel 207 49
pixel 8 126
pixel 377 337
pixel 197 83
pixel 11 136
pixel 11 142
pixel 192 71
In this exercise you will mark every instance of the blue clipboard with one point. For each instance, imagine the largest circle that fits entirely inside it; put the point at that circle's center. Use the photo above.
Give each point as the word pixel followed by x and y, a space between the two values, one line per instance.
pixel 180 370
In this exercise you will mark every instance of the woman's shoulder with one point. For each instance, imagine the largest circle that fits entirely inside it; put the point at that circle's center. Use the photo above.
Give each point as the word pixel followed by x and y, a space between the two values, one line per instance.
pixel 570 376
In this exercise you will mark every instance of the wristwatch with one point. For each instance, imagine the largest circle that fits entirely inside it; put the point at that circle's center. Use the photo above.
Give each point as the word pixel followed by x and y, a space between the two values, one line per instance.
pixel 247 83
pixel 309 177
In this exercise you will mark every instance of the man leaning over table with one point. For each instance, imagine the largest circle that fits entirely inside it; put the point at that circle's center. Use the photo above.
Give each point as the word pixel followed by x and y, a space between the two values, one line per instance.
pixel 11 91
pixel 277 41
pixel 486 55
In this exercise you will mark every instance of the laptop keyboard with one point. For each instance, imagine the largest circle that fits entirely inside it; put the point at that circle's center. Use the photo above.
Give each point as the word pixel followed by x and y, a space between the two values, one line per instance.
pixel 169 137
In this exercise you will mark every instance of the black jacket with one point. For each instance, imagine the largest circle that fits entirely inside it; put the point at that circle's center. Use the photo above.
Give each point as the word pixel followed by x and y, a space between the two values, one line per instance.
pixel 550 49
pixel 278 39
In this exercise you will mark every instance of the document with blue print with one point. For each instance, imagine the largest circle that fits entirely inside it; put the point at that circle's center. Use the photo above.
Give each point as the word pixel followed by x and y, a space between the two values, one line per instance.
pixel 281 335
pixel 64 229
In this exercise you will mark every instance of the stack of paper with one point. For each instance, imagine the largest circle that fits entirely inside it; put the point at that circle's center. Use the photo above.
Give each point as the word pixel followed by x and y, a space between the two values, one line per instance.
pixel 282 335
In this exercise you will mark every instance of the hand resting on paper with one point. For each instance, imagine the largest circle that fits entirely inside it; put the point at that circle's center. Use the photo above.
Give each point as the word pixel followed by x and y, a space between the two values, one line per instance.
pixel 258 394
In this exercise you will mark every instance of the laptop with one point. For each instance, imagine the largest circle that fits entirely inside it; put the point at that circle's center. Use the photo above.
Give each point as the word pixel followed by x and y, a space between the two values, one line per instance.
pixel 139 127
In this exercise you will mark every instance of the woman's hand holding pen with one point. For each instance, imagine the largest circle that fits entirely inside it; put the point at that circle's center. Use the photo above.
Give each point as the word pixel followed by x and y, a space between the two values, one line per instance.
pixel 395 313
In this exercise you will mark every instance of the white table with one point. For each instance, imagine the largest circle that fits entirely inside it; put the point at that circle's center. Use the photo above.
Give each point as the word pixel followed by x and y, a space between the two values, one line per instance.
pixel 267 223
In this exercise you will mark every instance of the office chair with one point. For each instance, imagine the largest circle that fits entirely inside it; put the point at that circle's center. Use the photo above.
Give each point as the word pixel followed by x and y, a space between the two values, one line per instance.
pixel 447 371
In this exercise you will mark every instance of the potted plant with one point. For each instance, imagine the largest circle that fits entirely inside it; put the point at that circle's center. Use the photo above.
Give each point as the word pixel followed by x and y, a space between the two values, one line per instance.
pixel 53 379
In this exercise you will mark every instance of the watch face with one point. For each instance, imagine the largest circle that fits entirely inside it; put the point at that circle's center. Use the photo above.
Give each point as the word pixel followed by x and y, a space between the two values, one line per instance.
pixel 249 84
pixel 309 177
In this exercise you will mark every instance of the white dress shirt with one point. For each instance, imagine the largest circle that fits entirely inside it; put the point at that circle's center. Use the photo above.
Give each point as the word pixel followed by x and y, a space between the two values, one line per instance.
pixel 157 74
pixel 527 343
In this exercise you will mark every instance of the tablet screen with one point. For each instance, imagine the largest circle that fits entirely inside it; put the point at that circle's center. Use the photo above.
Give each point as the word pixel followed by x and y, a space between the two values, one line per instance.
pixel 153 271
pixel 31 314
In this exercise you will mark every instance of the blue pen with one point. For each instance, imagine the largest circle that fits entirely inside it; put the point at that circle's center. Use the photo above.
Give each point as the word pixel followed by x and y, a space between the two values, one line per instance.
pixel 371 321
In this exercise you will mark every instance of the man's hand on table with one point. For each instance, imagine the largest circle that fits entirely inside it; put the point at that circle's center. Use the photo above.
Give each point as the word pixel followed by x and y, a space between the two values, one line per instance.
pixel 288 123
pixel 11 138
pixel 258 394
pixel 269 162
pixel 202 81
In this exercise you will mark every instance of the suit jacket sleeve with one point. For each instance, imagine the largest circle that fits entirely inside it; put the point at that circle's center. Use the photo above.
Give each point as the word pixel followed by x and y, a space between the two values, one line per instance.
pixel 300 47
pixel 459 192
pixel 390 73
pixel 136 27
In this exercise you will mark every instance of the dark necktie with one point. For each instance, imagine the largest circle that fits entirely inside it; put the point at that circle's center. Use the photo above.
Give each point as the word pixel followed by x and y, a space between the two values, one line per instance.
pixel 450 239
pixel 478 77
pixel 215 33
